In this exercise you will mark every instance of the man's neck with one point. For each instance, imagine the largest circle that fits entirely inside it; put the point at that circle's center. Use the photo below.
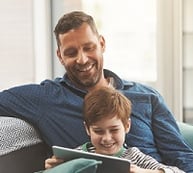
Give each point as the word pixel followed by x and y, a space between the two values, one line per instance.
pixel 105 82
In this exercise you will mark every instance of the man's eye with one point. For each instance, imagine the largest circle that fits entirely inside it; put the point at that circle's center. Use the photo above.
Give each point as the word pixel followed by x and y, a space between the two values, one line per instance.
pixel 70 53
pixel 89 48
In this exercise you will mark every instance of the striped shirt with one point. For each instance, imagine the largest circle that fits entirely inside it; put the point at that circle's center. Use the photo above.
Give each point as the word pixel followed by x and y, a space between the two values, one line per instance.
pixel 136 157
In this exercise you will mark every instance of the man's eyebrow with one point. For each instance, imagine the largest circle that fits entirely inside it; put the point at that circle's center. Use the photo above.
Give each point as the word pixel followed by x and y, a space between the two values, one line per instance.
pixel 69 48
pixel 88 43
pixel 73 47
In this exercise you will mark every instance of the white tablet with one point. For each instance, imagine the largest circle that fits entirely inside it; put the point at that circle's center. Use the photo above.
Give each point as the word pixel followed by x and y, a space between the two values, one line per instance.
pixel 109 164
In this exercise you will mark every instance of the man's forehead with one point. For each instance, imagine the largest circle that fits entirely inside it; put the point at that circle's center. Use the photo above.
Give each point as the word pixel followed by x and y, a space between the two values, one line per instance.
pixel 75 37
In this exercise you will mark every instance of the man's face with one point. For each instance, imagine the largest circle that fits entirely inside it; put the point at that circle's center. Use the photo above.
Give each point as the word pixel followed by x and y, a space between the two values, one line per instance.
pixel 81 53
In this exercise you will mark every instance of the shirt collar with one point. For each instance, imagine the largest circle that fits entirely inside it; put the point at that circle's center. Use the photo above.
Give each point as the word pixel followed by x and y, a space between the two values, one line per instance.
pixel 118 82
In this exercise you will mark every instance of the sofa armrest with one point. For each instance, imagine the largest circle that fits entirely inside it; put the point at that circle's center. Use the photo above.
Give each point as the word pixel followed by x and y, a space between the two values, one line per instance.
pixel 187 132
pixel 21 148
pixel 16 134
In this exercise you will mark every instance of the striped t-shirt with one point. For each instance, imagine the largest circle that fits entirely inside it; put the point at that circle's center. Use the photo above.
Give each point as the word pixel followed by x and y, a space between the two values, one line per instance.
pixel 136 157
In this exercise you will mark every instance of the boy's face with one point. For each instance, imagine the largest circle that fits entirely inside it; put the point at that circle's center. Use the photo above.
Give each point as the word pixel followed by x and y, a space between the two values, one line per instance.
pixel 108 135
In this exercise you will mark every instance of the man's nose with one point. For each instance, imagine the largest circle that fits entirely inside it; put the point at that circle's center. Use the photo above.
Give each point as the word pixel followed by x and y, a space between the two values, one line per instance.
pixel 82 58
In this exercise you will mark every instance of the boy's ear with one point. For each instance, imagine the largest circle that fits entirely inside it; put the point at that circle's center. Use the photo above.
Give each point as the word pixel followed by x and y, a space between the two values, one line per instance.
pixel 128 125
pixel 87 130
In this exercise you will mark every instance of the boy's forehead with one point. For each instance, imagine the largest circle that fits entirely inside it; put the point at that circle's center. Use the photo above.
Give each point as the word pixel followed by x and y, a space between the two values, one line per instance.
pixel 107 121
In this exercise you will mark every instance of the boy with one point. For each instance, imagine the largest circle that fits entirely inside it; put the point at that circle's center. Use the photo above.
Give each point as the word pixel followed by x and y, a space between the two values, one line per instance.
pixel 107 120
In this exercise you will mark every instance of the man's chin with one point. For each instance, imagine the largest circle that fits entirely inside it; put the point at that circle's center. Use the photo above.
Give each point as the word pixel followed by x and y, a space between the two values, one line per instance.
pixel 87 83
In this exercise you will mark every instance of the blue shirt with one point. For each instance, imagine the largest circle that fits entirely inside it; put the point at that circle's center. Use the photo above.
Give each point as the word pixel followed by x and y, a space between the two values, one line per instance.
pixel 55 108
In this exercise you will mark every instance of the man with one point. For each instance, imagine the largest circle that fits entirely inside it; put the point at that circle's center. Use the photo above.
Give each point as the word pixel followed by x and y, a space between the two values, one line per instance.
pixel 55 107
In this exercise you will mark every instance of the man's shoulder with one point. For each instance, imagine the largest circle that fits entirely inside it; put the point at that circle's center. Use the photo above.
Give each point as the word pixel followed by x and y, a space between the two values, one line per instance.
pixel 33 89
pixel 55 81
pixel 128 85
pixel 138 87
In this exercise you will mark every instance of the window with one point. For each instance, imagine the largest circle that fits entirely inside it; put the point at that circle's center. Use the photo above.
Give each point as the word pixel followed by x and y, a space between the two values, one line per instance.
pixel 129 28
pixel 16 43
pixel 187 31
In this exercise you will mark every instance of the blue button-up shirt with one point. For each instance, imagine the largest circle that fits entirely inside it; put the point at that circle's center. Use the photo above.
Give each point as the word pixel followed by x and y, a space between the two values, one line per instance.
pixel 55 108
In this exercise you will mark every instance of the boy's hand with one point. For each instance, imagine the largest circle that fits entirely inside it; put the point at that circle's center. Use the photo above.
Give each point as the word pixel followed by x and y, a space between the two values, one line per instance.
pixel 136 169
pixel 52 162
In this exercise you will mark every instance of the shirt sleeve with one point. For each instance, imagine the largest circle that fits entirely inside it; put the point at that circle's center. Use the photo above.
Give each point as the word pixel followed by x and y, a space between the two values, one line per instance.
pixel 22 102
pixel 147 162
pixel 168 139
pixel 154 129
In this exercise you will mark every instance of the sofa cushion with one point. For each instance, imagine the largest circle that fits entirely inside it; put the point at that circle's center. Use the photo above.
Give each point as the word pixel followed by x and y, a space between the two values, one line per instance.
pixel 25 160
pixel 16 134
pixel 21 147
pixel 187 132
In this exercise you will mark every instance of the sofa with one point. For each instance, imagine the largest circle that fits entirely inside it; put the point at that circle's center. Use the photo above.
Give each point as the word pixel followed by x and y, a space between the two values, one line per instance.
pixel 22 149
pixel 187 132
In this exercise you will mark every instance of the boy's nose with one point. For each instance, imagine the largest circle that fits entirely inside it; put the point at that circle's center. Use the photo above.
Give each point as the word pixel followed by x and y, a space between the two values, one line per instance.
pixel 107 136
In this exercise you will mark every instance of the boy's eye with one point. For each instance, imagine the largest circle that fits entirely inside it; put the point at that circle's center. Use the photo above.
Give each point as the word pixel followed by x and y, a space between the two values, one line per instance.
pixel 98 131
pixel 114 130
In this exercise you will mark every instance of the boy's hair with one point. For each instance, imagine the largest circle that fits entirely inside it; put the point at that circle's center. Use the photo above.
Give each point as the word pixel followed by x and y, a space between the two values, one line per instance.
pixel 73 20
pixel 104 102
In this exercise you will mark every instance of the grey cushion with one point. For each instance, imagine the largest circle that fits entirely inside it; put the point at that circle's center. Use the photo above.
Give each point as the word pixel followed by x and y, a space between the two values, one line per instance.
pixel 16 134
pixel 21 148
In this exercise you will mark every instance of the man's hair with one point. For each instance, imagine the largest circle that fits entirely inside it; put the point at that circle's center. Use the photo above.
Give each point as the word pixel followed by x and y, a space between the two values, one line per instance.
pixel 105 102
pixel 73 20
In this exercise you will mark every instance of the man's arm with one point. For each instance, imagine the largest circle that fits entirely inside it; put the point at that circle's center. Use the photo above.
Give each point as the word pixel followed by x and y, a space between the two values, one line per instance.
pixel 154 130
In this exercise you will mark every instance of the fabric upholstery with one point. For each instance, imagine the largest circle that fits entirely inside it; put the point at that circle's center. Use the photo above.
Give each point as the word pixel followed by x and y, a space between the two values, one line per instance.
pixel 16 134
pixel 80 165
pixel 187 132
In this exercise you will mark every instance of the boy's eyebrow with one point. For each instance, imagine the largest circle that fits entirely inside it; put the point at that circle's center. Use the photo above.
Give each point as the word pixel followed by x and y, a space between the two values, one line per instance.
pixel 96 127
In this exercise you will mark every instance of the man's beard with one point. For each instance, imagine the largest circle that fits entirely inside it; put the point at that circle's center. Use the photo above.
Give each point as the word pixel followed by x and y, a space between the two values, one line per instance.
pixel 85 83
pixel 89 82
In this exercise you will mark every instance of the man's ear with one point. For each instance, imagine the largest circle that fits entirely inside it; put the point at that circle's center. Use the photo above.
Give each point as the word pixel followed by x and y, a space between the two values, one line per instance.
pixel 102 42
pixel 87 130
pixel 59 56
pixel 128 125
